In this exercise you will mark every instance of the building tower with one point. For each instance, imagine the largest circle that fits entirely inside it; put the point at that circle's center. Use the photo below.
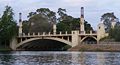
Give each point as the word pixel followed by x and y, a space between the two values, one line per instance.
pixel 82 29
pixel 20 24
pixel 113 23
pixel 101 30
pixel 54 29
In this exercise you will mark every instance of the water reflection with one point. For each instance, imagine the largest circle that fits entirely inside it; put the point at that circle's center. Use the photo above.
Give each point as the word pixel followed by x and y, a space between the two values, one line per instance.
pixel 5 58
pixel 59 58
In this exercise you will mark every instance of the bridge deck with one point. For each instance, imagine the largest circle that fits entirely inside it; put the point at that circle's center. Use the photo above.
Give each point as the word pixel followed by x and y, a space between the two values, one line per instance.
pixel 49 35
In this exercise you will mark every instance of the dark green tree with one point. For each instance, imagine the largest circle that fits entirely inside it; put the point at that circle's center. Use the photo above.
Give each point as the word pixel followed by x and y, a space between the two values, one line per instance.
pixel 88 27
pixel 107 19
pixel 41 20
pixel 62 13
pixel 114 33
pixel 25 26
pixel 69 23
pixel 39 24
pixel 8 26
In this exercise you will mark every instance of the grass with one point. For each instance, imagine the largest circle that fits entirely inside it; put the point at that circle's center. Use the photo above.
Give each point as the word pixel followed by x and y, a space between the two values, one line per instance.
pixel 5 49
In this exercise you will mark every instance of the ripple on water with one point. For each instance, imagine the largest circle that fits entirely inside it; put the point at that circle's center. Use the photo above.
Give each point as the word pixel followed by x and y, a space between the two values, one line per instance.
pixel 59 58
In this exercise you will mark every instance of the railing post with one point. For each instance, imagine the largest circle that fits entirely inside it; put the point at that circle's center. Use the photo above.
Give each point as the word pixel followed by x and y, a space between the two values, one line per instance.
pixel 43 33
pixel 66 32
pixel 28 34
pixel 33 34
pixel 23 34
pixel 38 33
pixel 68 38
pixel 91 32
pixel 60 32
pixel 62 37
pixel 49 33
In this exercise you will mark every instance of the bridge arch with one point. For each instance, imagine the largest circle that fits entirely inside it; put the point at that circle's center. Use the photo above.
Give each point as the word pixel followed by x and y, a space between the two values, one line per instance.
pixel 93 37
pixel 47 38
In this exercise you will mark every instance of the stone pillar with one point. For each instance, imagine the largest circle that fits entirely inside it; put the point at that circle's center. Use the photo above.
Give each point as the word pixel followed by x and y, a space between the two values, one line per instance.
pixel 113 23
pixel 54 29
pixel 75 38
pixel 20 24
pixel 13 43
pixel 82 29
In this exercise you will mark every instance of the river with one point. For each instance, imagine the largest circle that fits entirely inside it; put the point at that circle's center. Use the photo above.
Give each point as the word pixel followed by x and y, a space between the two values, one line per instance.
pixel 59 58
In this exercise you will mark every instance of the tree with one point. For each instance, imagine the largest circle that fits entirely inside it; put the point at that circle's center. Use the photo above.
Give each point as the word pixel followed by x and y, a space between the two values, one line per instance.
pixel 114 33
pixel 62 13
pixel 88 27
pixel 69 23
pixel 25 26
pixel 37 23
pixel 41 20
pixel 8 26
pixel 107 19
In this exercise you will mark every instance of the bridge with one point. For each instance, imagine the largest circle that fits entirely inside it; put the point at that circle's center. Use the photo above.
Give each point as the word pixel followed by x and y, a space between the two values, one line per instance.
pixel 72 39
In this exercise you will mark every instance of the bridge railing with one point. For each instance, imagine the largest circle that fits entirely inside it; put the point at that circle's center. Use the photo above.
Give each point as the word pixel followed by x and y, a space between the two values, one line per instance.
pixel 88 33
pixel 45 34
pixel 55 34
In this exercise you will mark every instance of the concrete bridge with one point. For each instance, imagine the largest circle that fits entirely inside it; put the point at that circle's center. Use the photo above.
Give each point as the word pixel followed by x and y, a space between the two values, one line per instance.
pixel 74 38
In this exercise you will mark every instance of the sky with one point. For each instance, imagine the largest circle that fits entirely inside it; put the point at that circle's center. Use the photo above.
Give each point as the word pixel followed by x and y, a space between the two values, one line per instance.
pixel 93 9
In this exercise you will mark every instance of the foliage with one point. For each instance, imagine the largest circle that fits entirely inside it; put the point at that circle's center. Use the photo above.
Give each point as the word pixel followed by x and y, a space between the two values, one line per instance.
pixel 69 23
pixel 25 26
pixel 7 26
pixel 115 33
pixel 107 19
pixel 41 20
pixel 88 27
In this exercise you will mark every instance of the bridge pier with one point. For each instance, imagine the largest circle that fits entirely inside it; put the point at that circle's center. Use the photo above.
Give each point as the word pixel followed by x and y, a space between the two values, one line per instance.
pixel 75 38
pixel 13 43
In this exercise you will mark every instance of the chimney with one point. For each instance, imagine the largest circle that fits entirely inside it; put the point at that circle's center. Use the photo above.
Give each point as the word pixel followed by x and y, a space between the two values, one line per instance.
pixel 20 17
pixel 82 12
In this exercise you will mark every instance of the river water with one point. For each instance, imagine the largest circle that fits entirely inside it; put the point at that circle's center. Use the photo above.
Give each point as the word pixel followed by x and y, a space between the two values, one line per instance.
pixel 59 58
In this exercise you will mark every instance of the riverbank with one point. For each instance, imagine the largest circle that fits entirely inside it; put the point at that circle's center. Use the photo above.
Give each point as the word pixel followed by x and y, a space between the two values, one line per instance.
pixel 5 49
pixel 97 47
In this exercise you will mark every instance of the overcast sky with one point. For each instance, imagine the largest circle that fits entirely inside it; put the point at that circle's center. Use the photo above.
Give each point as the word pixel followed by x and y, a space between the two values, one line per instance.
pixel 93 8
